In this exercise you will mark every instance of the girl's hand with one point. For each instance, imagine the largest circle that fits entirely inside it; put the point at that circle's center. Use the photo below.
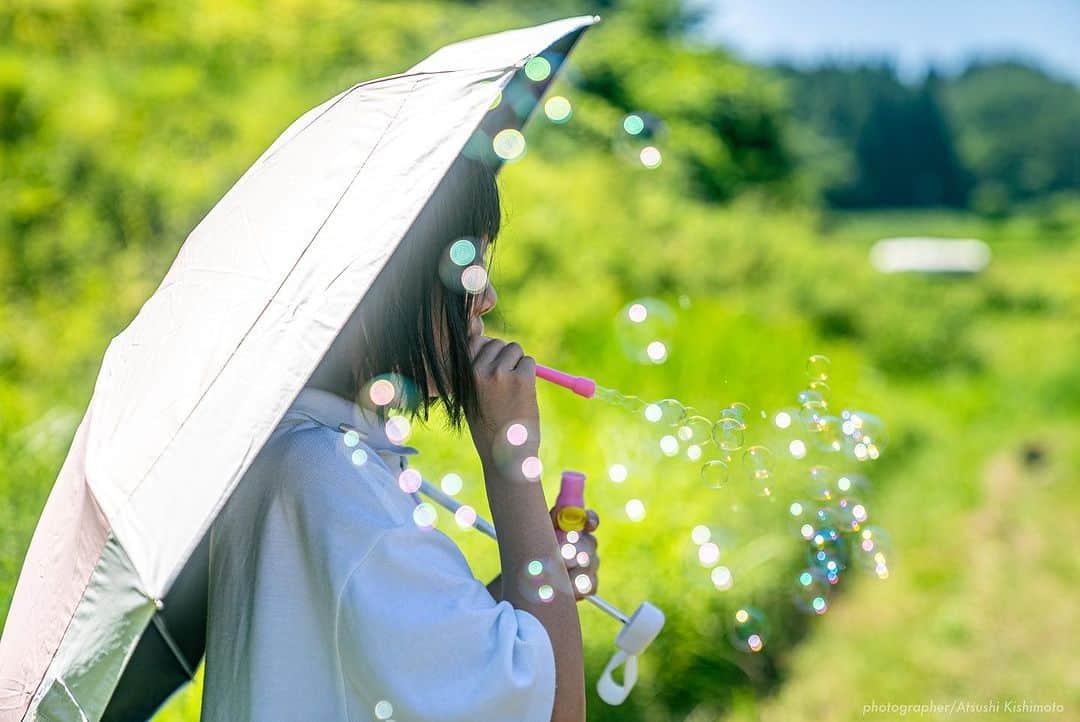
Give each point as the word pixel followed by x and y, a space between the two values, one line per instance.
pixel 585 543
pixel 506 391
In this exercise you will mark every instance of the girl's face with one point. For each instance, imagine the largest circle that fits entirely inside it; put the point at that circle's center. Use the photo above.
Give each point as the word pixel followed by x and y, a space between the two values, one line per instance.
pixel 483 304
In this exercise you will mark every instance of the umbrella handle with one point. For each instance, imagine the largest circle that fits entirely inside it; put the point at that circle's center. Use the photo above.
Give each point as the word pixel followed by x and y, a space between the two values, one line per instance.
pixel 609 690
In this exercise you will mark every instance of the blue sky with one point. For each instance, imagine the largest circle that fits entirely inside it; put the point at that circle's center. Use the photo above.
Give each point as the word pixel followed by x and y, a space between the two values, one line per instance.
pixel 914 33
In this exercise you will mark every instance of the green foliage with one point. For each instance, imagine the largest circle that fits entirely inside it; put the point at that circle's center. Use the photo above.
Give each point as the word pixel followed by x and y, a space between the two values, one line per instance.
pixel 1017 132
pixel 122 123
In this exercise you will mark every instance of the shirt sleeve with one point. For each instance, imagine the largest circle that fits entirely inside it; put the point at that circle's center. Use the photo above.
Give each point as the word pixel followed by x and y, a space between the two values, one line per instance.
pixel 417 629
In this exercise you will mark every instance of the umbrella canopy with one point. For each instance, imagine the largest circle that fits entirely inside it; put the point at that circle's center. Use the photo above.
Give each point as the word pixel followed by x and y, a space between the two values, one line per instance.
pixel 190 391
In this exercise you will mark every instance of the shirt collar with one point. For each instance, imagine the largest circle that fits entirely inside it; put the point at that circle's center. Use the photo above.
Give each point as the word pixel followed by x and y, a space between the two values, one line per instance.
pixel 331 410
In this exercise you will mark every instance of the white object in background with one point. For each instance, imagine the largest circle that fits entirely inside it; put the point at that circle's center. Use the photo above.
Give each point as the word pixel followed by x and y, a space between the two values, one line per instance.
pixel 930 255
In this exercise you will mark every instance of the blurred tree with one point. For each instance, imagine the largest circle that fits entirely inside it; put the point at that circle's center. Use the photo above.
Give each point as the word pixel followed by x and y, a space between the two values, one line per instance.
pixel 1017 131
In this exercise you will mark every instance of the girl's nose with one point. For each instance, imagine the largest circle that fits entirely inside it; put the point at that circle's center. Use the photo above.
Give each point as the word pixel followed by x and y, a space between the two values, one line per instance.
pixel 488 300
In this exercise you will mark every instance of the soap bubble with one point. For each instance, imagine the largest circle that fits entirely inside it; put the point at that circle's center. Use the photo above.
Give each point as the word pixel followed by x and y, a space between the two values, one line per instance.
pixel 817 367
pixel 650 156
pixel 644 329
pixel 758 463
pixel 785 419
pixel 695 430
pixel 558 109
pixel 871 551
pixel 821 388
pixel 537 68
pixel 708 554
pixel 853 484
pixel 582 583
pixel 424 515
pixel 667 412
pixel 721 578
pixel 806 516
pixel 864 434
pixel 465 516
pixel 811 399
pixel 398 429
pixel 386 391
pixel 409 480
pixel 851 512
pixel 463 252
pixel 700 534
pixel 452 483
pixel 737 410
pixel 641 139
pixel 749 629
pixel 812 591
pixel 510 450
pixel 827 553
pixel 457 258
pixel 797 448
pixel 728 433
pixel 823 482
pixel 827 434
pixel 635 510
pixel 509 144
pixel 517 434
pixel 474 280
pixel 531 468
pixel 714 473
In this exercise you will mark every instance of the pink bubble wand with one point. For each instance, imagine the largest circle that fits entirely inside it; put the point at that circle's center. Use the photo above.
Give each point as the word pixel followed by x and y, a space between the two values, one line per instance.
pixel 580 385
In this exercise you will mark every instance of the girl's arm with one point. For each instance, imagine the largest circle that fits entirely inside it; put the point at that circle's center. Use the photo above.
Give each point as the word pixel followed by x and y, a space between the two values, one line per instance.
pixel 524 530
pixel 506 391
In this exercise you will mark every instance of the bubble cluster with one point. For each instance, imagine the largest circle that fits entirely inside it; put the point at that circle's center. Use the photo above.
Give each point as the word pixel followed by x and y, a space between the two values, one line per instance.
pixel 864 434
pixel 775 454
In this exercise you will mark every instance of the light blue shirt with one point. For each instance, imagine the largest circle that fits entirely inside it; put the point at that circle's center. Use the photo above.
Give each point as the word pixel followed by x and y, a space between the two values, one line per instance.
pixel 328 602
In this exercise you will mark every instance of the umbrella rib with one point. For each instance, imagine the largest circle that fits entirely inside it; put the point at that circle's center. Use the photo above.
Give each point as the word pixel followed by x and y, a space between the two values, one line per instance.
pixel 159 624
pixel 307 247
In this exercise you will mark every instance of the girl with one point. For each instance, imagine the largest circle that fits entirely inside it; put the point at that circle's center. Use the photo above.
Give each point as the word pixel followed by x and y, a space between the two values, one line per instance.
pixel 327 600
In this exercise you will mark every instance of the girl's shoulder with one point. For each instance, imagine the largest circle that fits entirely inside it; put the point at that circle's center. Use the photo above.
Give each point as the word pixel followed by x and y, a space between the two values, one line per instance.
pixel 318 470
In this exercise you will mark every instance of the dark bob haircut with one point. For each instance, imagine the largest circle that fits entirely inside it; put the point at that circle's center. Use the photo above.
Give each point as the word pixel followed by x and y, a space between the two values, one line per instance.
pixel 410 305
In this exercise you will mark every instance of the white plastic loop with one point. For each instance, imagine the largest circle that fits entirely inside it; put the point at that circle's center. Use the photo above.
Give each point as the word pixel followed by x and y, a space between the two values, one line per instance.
pixel 608 689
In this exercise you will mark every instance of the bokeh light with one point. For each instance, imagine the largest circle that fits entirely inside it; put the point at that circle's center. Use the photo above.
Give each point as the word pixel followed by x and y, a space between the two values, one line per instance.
pixel 644 329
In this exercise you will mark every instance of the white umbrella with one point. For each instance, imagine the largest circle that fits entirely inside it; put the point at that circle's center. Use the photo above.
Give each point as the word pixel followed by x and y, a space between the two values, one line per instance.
pixel 192 388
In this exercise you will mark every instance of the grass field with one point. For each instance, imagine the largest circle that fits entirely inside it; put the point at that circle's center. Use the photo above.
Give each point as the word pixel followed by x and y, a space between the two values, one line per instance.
pixel 977 379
